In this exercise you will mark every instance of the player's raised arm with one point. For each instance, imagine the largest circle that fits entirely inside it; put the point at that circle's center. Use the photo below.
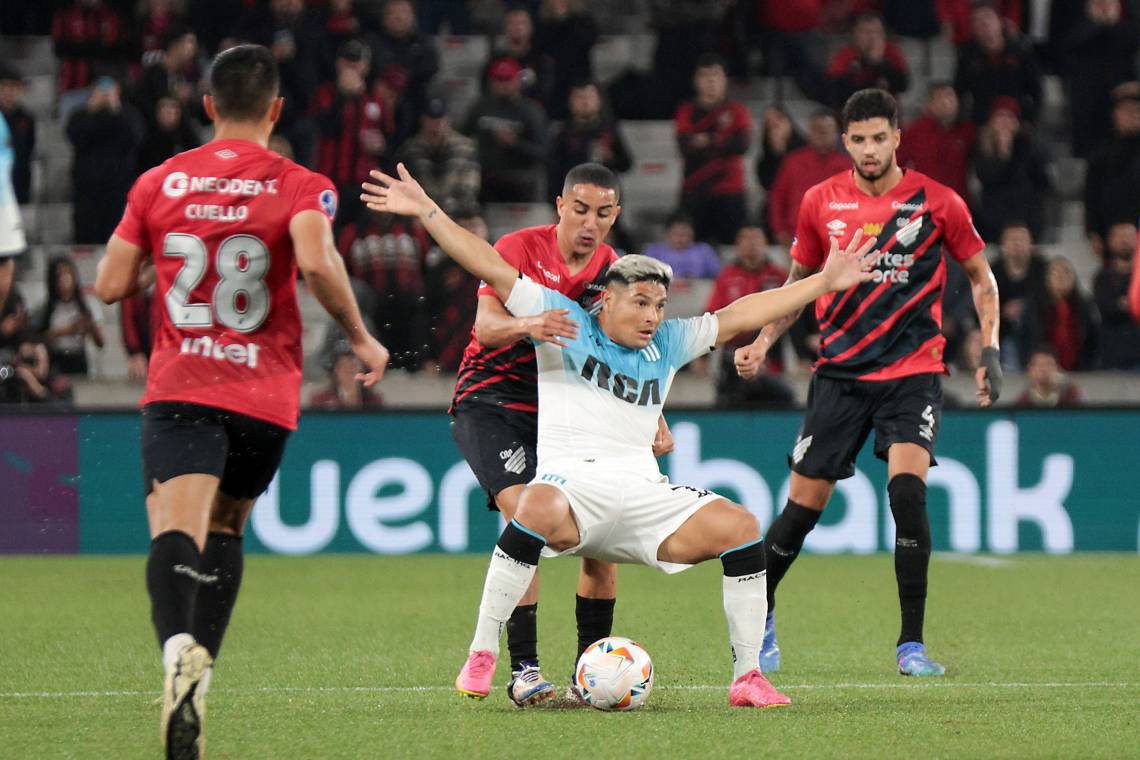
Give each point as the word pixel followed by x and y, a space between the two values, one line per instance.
pixel 985 290
pixel 324 272
pixel 405 197
pixel 842 270
pixel 117 276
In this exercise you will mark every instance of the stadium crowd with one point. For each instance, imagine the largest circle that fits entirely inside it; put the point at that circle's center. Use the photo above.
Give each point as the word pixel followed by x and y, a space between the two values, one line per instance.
pixel 362 87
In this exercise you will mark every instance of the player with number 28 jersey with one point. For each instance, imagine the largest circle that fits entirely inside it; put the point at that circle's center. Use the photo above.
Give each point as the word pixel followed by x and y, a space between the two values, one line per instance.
pixel 217 221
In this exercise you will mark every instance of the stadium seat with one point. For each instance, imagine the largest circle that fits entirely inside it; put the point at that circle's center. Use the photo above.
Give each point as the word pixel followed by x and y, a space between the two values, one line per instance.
pixel 462 56
pixel 650 140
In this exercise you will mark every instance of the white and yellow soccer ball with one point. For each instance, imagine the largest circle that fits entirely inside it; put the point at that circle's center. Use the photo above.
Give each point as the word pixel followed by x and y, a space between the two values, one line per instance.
pixel 614 673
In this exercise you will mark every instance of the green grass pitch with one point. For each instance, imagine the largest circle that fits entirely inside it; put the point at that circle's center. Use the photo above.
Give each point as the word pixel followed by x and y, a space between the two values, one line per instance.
pixel 353 657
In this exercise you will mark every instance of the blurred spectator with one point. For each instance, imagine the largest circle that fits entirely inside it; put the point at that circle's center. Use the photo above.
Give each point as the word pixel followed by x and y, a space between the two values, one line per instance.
pixel 171 134
pixel 1011 166
pixel 157 17
pixel 957 16
pixel 1120 332
pixel 1114 170
pixel 1099 53
pixel 354 126
pixel 442 160
pixel 750 272
pixel 387 253
pixel 69 318
pixel 804 167
pixel 1049 387
pixel 1020 275
pixel 516 42
pixel 409 53
pixel 779 136
pixel 451 297
pixel 1065 319
pixel 939 142
pixel 689 258
pixel 566 33
pixel 138 316
pixel 790 38
pixel 1134 288
pixel 172 74
pixel 13 312
pixel 590 135
pixel 27 377
pixel 345 391
pixel 970 352
pixel 713 134
pixel 996 62
pixel 21 132
pixel 869 60
pixel 343 21
pixel 510 131
pixel 106 134
pixel 687 30
pixel 90 41
pixel 295 36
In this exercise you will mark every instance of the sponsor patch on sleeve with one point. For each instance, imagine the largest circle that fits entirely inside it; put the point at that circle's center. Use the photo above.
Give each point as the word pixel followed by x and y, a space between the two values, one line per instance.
pixel 327 199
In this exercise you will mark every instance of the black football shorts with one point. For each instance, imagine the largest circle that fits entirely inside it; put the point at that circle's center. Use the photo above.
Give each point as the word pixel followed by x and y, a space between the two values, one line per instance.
pixel 841 414
pixel 500 446
pixel 180 438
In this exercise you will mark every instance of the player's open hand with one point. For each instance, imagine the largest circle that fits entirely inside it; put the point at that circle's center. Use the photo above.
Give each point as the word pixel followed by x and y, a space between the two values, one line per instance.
pixel 550 326
pixel 749 360
pixel 392 195
pixel 851 266
pixel 375 358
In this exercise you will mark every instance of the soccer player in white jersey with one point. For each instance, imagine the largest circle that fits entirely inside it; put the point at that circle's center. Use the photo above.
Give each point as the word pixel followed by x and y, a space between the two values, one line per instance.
pixel 598 491
pixel 12 242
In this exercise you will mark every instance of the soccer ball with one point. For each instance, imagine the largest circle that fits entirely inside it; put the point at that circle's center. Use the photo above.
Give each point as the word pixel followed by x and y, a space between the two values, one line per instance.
pixel 614 673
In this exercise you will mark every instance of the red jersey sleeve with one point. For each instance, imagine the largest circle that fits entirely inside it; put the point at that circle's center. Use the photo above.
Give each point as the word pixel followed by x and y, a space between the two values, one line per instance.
pixel 132 227
pixel 315 192
pixel 962 239
pixel 807 247
pixel 513 251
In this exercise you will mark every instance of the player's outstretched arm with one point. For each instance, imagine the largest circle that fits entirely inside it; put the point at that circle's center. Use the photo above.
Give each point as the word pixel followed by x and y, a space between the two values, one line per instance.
pixel 405 197
pixel 842 270
pixel 324 273
pixel 984 286
pixel 117 276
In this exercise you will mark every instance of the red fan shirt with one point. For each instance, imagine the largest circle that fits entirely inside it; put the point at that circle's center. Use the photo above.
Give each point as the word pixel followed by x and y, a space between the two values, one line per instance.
pixel 889 327
pixel 216 221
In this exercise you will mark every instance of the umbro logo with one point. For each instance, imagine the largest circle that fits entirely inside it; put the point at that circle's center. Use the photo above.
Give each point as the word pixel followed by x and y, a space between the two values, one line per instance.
pixel 225 153
pixel 836 227
pixel 514 460
pixel 801 447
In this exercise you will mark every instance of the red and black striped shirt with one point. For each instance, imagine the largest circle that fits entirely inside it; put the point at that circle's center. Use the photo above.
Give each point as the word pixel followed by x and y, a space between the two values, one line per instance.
pixel 507 376
pixel 890 327
pixel 341 122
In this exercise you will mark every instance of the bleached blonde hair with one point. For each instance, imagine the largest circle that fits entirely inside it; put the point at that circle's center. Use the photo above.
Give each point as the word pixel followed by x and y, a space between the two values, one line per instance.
pixel 637 268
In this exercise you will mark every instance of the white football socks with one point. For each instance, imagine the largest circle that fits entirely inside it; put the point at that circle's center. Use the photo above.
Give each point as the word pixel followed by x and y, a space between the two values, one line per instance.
pixel 172 646
pixel 745 607
pixel 507 581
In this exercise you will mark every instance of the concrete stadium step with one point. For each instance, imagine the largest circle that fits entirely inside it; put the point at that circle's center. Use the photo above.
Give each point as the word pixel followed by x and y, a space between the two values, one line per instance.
pixel 49 223
pixel 1068 174
pixel 653 184
pixel 507 217
pixel 460 92
pixel 614 53
pixel 462 55
pixel 30 55
pixel 650 140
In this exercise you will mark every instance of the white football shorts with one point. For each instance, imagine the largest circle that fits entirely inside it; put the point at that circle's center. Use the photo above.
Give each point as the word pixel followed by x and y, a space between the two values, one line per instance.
pixel 621 516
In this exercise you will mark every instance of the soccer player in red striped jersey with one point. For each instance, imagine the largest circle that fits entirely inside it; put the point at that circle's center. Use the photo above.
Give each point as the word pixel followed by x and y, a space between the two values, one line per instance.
pixel 495 406
pixel 881 353
pixel 227 226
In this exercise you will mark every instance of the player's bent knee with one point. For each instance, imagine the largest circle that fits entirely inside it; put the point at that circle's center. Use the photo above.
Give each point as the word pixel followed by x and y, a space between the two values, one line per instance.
pixel 747 527
pixel 546 511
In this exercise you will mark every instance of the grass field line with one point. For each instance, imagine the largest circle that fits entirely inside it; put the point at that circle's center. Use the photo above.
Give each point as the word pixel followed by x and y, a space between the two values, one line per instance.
pixel 681 687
